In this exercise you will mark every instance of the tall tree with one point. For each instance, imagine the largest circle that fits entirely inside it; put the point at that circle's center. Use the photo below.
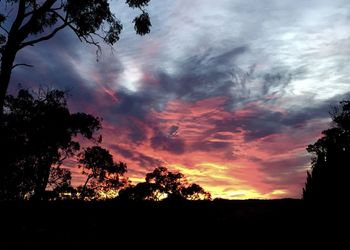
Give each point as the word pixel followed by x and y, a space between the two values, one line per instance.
pixel 329 175
pixel 38 133
pixel 103 174
pixel 36 21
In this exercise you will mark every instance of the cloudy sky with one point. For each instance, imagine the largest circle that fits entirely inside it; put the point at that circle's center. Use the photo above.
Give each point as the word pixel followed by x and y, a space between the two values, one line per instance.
pixel 228 92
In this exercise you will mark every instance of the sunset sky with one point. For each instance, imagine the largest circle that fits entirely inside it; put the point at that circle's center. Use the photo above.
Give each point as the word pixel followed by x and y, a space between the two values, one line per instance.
pixel 229 92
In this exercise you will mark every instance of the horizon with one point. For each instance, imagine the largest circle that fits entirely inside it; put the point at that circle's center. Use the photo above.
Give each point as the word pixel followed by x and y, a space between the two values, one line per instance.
pixel 228 100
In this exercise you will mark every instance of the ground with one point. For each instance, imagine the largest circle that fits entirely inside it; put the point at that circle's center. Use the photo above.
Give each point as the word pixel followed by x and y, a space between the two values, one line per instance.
pixel 255 224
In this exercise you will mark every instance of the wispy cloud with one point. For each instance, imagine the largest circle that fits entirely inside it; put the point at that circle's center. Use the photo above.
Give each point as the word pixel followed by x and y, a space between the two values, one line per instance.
pixel 228 92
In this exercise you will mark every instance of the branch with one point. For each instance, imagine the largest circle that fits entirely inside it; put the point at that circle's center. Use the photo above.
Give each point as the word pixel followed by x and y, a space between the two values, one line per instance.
pixel 21 64
pixel 65 20
pixel 25 30
pixel 60 161
pixel 44 38
pixel 143 11
pixel 19 17
pixel 88 38
pixel 31 12
pixel 50 10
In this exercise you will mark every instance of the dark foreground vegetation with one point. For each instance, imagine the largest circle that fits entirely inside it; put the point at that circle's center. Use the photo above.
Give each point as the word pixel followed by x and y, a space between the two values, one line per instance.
pixel 257 224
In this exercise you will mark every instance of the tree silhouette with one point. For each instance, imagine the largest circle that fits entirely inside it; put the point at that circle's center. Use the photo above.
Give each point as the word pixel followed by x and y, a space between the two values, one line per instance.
pixel 165 182
pixel 161 184
pixel 142 191
pixel 59 177
pixel 330 162
pixel 38 135
pixel 102 172
pixel 36 21
pixel 195 192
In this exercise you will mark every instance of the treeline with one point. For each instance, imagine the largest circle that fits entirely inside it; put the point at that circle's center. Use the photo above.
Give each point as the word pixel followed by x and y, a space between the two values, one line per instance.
pixel 39 133
pixel 330 164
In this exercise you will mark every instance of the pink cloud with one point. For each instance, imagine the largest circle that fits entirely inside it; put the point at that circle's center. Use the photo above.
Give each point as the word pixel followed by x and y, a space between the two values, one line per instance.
pixel 214 153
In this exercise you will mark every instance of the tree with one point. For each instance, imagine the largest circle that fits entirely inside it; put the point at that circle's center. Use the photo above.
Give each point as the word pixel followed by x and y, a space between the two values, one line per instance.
pixel 36 21
pixel 102 172
pixel 328 179
pixel 195 192
pixel 142 191
pixel 38 135
pixel 164 184
pixel 59 178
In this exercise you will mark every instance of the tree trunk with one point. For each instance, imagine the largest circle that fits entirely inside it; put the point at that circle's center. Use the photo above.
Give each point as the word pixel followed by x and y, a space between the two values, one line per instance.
pixel 8 57
pixel 43 176
pixel 84 187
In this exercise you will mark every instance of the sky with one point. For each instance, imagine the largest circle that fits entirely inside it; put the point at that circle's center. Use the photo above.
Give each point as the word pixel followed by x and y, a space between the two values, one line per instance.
pixel 228 92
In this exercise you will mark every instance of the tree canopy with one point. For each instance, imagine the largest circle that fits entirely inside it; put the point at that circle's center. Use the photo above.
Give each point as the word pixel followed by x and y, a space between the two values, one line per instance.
pixel 328 178
pixel 38 135
pixel 103 174
pixel 28 22
pixel 164 184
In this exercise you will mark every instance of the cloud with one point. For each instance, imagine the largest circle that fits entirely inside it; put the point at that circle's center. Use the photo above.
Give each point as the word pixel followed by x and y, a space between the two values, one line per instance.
pixel 238 90
pixel 142 160
pixel 167 143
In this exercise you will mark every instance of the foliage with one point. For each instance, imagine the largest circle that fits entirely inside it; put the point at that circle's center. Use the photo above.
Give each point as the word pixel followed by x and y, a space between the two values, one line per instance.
pixel 102 172
pixel 59 178
pixel 37 135
pixel 139 192
pixel 195 192
pixel 330 162
pixel 36 21
pixel 161 184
